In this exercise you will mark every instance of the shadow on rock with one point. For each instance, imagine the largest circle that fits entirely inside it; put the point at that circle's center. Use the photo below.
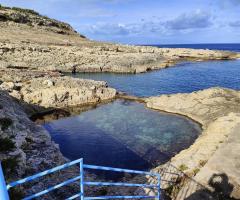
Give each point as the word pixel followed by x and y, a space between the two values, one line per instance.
pixel 222 189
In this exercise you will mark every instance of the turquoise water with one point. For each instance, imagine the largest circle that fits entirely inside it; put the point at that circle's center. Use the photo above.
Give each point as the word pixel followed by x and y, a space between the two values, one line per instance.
pixel 123 134
pixel 185 77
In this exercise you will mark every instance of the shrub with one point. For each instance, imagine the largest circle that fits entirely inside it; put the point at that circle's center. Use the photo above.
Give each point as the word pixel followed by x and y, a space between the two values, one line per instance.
pixel 202 163
pixel 169 190
pixel 183 167
pixel 195 171
pixel 5 123
pixel 29 11
pixel 6 144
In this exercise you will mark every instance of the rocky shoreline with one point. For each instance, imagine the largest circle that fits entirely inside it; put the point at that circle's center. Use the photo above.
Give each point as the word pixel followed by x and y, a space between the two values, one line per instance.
pixel 34 52
pixel 217 109
pixel 43 44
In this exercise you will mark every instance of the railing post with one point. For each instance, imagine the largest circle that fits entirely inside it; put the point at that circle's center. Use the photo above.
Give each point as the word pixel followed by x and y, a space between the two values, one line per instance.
pixel 159 187
pixel 81 180
pixel 3 187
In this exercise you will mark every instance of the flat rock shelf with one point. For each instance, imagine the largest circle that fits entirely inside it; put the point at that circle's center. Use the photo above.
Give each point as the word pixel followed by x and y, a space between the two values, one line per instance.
pixel 184 78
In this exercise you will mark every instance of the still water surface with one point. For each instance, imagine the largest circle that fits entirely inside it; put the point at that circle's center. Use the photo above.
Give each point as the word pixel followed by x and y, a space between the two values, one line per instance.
pixel 123 134
pixel 185 77
pixel 126 134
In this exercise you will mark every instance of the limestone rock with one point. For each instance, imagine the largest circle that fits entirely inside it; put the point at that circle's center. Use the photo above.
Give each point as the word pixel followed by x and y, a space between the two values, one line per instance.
pixel 49 83
pixel 9 86
pixel 216 151
pixel 65 91
pixel 31 41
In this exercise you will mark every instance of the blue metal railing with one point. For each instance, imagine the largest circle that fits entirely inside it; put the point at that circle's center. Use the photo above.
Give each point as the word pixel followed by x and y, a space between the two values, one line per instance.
pixel 4 188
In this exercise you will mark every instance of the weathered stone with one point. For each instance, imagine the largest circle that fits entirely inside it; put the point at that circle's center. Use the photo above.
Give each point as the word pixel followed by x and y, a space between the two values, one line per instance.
pixel 49 83
pixel 9 86
pixel 218 110
pixel 65 91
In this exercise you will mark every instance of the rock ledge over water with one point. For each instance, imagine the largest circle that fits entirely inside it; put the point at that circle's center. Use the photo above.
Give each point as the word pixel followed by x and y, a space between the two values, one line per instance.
pixel 216 151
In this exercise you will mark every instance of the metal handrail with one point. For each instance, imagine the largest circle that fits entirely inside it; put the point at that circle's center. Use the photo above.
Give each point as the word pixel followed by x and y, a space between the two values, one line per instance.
pixel 4 188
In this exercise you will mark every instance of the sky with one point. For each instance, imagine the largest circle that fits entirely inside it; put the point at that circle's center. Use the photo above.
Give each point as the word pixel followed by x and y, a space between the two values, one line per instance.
pixel 145 21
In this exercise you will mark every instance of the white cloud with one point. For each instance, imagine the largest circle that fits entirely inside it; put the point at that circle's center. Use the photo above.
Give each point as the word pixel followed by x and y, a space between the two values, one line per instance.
pixel 183 23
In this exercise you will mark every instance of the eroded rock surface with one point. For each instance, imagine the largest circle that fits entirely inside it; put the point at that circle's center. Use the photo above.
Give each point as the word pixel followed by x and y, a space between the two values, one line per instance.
pixel 31 41
pixel 65 91
pixel 51 90
pixel 26 148
pixel 218 110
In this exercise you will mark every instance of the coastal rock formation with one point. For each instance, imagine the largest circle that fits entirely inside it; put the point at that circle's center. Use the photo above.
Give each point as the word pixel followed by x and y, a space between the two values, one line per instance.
pixel 25 148
pixel 33 19
pixel 65 91
pixel 218 110
pixel 34 50
pixel 51 90
pixel 31 41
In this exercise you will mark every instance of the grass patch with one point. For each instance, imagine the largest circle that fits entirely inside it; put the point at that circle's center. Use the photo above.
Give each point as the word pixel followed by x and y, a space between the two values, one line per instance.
pixel 202 163
pixel 183 167
pixel 6 144
pixel 5 123
pixel 195 171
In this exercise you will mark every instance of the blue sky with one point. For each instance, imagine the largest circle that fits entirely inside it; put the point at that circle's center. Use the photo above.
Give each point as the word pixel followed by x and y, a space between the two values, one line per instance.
pixel 145 21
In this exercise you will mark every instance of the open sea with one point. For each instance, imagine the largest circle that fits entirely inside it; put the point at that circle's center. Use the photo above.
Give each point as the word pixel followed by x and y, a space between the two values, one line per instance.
pixel 225 47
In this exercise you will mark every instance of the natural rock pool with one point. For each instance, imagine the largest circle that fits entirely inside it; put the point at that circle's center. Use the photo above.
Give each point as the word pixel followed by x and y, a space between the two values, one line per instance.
pixel 123 134
pixel 126 134
pixel 185 77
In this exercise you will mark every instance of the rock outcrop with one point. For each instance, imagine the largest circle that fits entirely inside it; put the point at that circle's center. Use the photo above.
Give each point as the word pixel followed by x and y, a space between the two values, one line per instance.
pixel 31 41
pixel 25 148
pixel 51 90
pixel 65 91
pixel 218 111
pixel 34 50
pixel 33 19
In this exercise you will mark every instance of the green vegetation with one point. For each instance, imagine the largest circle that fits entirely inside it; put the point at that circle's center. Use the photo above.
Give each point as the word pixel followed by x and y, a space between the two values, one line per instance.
pixel 5 123
pixel 27 11
pixel 6 144
pixel 169 190
pixel 172 190
pixel 202 163
pixel 183 167
pixel 195 171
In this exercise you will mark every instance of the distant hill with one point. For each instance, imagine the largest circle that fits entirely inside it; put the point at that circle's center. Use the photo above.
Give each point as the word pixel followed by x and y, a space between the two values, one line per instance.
pixel 33 18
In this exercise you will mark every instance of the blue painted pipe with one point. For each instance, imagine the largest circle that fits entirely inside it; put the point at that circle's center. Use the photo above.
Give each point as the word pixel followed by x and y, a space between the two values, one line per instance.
pixel 3 188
